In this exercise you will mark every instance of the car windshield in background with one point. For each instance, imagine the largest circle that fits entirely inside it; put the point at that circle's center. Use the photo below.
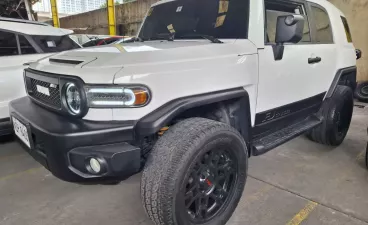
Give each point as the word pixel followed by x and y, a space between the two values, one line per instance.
pixel 55 43
pixel 102 41
pixel 91 43
pixel 184 19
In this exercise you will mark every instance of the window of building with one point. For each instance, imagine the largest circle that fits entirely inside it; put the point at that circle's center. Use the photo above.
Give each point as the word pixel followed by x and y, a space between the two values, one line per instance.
pixel 25 46
pixel 322 25
pixel 276 9
pixel 8 44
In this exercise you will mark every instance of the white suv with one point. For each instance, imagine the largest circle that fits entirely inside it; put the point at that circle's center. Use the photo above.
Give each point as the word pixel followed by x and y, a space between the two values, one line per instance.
pixel 22 41
pixel 203 86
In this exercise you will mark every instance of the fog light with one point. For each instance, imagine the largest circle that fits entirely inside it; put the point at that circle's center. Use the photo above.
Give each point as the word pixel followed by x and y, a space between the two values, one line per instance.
pixel 95 165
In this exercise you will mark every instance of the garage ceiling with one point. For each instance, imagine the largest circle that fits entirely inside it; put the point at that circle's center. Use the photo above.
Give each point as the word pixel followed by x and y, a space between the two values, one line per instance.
pixel 14 8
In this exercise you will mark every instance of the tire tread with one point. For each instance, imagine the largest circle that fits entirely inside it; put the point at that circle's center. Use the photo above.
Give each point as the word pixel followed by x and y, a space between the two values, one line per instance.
pixel 323 133
pixel 165 159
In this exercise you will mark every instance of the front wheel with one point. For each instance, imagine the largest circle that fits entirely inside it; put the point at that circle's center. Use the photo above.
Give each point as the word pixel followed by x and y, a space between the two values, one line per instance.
pixel 195 174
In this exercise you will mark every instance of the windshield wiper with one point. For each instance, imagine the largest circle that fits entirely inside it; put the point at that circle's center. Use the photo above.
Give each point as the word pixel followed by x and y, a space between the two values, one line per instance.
pixel 165 36
pixel 205 36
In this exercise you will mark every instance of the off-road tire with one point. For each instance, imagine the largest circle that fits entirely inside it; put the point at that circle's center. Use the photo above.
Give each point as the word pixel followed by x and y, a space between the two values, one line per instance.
pixel 172 158
pixel 361 92
pixel 336 113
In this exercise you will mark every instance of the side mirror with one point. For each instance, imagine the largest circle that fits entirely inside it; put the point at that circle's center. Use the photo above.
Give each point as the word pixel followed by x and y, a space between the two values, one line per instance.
pixel 289 29
pixel 358 53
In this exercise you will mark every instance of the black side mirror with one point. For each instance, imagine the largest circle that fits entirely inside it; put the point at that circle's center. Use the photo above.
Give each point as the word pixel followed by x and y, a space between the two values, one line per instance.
pixel 358 53
pixel 289 29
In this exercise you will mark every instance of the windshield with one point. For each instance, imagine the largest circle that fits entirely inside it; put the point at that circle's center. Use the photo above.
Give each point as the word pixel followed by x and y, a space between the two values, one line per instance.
pixel 185 18
pixel 55 43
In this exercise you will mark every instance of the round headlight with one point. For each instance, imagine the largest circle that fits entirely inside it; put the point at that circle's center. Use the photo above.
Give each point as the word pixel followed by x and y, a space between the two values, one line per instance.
pixel 73 98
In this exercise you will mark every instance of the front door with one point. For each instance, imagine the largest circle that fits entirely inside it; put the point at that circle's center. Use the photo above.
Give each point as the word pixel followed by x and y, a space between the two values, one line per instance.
pixel 289 88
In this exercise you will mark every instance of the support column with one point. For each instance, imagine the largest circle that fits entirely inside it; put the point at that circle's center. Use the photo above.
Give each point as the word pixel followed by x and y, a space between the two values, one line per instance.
pixel 54 11
pixel 111 16
pixel 29 10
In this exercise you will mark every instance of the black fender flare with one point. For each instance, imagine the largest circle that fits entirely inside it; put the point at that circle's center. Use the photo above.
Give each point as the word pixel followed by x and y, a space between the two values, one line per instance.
pixel 154 121
pixel 345 76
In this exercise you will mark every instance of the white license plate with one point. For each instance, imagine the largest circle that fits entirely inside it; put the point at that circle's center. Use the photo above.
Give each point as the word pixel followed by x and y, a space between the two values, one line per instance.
pixel 21 131
pixel 43 90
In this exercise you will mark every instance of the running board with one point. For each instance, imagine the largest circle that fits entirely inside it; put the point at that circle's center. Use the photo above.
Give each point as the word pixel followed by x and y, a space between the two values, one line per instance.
pixel 266 143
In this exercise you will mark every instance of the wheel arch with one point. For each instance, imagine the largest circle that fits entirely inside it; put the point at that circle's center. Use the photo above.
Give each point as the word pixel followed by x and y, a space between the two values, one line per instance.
pixel 345 77
pixel 234 101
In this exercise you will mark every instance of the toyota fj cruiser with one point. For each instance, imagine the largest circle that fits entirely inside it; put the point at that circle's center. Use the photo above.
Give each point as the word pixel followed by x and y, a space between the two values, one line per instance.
pixel 203 86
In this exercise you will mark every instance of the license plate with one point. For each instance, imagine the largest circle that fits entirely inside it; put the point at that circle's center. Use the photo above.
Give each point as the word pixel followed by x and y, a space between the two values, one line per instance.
pixel 21 131
pixel 43 90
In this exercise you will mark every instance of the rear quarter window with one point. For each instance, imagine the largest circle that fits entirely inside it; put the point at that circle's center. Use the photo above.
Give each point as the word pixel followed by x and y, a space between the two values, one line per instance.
pixel 347 29
pixel 322 25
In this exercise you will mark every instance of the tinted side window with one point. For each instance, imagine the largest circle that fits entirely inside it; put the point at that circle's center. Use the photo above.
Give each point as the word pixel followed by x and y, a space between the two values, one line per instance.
pixel 25 46
pixel 274 10
pixel 90 43
pixel 323 26
pixel 8 44
pixel 55 43
pixel 112 40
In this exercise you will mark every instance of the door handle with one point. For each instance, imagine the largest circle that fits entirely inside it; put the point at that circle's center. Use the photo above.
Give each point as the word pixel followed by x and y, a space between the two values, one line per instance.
pixel 314 60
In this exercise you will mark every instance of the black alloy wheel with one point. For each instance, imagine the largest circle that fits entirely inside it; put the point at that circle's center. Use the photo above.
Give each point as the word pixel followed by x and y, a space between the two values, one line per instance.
pixel 195 174
pixel 209 185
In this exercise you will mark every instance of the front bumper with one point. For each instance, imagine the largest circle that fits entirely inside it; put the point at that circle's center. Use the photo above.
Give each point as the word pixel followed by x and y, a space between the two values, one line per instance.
pixel 64 145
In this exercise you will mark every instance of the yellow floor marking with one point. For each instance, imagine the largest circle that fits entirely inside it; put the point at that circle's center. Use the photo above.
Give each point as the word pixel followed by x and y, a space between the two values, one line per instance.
pixel 303 214
pixel 19 173
pixel 361 156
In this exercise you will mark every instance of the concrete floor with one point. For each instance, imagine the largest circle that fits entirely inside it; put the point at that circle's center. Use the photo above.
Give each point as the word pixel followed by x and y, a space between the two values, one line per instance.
pixel 300 182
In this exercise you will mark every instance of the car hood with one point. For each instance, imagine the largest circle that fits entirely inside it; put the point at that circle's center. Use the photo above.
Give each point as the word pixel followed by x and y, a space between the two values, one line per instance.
pixel 100 64
pixel 121 55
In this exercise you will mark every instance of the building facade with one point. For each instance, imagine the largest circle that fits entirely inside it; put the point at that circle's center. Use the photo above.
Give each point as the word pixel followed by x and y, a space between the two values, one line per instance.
pixel 70 6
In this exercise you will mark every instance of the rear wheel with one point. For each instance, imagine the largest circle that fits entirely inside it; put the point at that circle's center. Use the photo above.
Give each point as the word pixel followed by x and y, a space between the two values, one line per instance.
pixel 195 174
pixel 336 112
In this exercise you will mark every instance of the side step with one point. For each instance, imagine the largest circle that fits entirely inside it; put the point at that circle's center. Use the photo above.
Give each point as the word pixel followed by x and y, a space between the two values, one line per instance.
pixel 266 143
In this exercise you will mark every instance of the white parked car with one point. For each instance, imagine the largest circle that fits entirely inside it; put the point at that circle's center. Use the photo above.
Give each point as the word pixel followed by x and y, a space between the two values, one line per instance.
pixel 205 85
pixel 22 41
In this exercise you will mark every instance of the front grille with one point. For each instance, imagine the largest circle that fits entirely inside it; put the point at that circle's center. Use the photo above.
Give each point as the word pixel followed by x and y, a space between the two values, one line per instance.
pixel 53 99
